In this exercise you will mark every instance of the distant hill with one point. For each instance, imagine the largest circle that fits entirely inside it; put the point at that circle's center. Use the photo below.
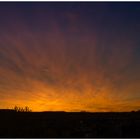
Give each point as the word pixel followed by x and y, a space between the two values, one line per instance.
pixel 59 124
pixel 7 110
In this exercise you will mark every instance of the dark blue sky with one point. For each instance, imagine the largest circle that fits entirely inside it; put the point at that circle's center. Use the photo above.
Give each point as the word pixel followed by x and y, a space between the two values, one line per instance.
pixel 70 55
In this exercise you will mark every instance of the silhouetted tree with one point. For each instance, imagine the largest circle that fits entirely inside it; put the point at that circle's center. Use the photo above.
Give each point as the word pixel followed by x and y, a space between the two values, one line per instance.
pixel 16 108
pixel 27 109
pixel 21 109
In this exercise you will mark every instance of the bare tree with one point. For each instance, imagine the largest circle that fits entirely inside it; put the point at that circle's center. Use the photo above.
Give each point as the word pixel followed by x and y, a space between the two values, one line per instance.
pixel 21 109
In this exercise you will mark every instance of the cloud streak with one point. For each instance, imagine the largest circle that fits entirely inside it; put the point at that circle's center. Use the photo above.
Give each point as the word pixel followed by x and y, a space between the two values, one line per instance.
pixel 60 61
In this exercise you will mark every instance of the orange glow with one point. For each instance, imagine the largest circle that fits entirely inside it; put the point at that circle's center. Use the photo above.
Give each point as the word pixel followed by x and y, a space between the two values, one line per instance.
pixel 76 67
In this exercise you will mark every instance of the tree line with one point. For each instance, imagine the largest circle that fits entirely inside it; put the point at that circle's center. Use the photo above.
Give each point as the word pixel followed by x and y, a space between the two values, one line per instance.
pixel 22 109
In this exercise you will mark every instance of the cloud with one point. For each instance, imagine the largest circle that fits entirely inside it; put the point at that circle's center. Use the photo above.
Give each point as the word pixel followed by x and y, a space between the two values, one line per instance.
pixel 73 67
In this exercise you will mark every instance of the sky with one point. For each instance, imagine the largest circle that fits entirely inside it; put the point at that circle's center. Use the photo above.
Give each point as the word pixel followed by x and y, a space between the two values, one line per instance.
pixel 70 56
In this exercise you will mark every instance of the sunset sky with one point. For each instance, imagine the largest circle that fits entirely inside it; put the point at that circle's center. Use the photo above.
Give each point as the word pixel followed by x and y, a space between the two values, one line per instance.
pixel 70 56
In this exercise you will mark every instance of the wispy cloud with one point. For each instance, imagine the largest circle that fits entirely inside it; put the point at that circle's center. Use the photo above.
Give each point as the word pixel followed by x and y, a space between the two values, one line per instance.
pixel 77 66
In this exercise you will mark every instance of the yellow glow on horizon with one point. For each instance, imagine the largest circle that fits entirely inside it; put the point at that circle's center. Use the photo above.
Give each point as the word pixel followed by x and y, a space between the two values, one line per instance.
pixel 72 102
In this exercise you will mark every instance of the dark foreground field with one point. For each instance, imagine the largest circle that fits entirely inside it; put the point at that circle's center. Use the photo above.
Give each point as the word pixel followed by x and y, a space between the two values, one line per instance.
pixel 69 125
